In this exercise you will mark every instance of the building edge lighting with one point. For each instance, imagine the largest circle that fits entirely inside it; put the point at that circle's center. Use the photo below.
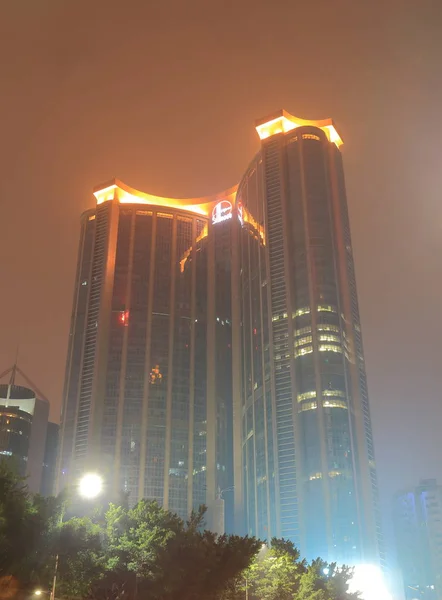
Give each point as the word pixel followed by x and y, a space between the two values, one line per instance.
pixel 282 122
pixel 124 194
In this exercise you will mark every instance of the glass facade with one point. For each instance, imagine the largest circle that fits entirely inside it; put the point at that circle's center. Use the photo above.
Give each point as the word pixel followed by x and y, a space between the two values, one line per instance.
pixel 23 430
pixel 308 465
pixel 218 341
pixel 148 398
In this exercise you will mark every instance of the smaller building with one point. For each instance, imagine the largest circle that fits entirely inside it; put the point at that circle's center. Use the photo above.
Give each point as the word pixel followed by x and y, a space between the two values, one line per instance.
pixel 24 413
pixel 418 528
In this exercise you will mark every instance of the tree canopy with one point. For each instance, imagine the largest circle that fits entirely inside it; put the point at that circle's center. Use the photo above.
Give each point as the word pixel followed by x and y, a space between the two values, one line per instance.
pixel 147 552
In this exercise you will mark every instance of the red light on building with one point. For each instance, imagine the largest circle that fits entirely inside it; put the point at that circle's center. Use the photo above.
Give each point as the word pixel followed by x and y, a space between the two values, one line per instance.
pixel 124 317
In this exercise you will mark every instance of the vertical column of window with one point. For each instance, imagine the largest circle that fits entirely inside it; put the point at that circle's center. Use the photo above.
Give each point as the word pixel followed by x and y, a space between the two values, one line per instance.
pixel 330 338
pixel 223 361
pixel 305 374
pixel 358 350
pixel 159 353
pixel 243 294
pixel 248 421
pixel 88 366
pixel 269 522
pixel 179 451
pixel 282 356
pixel 119 320
pixel 200 372
pixel 76 343
pixel 256 326
pixel 136 321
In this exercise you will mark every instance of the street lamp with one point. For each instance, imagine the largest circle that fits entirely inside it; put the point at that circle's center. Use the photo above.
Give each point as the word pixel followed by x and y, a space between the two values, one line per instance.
pixel 369 582
pixel 89 486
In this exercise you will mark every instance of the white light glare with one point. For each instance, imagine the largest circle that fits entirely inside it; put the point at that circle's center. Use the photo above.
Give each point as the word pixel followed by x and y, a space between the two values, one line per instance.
pixel 368 580
pixel 90 485
pixel 37 592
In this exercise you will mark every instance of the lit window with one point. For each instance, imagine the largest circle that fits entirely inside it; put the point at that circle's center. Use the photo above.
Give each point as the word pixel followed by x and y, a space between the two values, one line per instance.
pixel 124 317
pixel 303 351
pixel 323 327
pixel 334 404
pixel 326 308
pixel 278 317
pixel 164 216
pixel 329 338
pixel 144 213
pixel 84 282
pixel 156 376
pixel 308 406
pixel 334 473
pixel 303 311
pixel 310 136
pixel 306 395
pixel 92 217
pixel 303 330
pixel 330 348
pixel 333 393
pixel 303 341
pixel 315 476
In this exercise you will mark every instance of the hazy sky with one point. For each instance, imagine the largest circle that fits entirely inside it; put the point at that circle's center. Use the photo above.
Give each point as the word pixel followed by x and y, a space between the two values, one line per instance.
pixel 163 94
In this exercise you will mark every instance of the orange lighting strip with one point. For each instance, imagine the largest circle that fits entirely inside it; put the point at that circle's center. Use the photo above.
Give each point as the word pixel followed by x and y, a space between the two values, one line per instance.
pixel 282 122
pixel 117 190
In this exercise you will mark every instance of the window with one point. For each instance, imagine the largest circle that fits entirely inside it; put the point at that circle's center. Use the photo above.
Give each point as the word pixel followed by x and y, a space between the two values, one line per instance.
pixel 303 351
pixel 330 338
pixel 310 136
pixel 307 395
pixel 330 348
pixel 308 406
pixel 303 341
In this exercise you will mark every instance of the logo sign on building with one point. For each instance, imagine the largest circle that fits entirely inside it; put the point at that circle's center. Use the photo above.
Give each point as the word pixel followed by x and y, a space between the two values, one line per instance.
pixel 221 212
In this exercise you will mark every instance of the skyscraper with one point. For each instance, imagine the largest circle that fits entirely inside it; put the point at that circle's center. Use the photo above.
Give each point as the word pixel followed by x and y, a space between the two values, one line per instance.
pixel 418 526
pixel 302 419
pixel 147 390
pixel 230 322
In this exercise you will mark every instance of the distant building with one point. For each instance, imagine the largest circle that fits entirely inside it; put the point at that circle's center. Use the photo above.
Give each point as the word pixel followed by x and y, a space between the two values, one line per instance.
pixel 50 460
pixel 418 528
pixel 23 426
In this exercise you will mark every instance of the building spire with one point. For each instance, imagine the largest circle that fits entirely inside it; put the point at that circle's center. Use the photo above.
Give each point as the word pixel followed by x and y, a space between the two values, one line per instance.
pixel 14 368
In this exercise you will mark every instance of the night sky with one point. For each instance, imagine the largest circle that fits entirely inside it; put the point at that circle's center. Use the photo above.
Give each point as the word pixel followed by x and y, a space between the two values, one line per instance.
pixel 164 94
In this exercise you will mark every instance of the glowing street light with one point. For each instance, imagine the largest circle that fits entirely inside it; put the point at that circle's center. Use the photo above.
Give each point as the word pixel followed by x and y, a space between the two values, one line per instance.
pixel 90 486
pixel 368 580
pixel 38 592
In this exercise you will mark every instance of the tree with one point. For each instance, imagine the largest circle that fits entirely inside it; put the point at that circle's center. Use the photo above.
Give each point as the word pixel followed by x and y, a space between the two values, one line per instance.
pixel 152 552
pixel 278 573
pixel 26 525
pixel 81 556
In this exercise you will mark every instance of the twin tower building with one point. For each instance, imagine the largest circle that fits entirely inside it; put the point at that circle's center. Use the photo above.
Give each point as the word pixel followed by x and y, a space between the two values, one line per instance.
pixel 215 352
